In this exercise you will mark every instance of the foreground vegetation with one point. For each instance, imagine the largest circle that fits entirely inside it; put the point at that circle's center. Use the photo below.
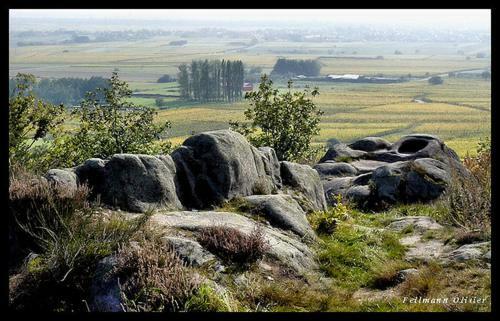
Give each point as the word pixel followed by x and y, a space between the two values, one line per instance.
pixel 61 238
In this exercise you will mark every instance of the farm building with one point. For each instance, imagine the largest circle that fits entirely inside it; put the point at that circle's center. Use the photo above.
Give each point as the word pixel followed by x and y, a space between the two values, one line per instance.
pixel 247 86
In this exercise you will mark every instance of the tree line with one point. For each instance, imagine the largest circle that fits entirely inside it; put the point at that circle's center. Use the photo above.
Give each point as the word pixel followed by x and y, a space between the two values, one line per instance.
pixel 67 91
pixel 292 67
pixel 216 80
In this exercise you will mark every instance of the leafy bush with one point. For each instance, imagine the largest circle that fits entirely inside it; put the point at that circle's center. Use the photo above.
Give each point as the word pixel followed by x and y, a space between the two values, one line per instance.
pixel 325 222
pixel 284 121
pixel 234 246
pixel 109 126
pixel 154 278
pixel 30 120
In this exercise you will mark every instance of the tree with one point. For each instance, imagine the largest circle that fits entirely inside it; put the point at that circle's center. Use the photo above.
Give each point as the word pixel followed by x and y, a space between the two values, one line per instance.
pixel 159 102
pixel 284 121
pixel 165 78
pixel 435 80
pixel 183 80
pixel 486 75
pixel 110 126
pixel 30 120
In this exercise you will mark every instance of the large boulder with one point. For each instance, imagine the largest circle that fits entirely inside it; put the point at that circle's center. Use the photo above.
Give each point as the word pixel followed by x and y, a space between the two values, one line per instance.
pixel 283 212
pixel 343 151
pixel 336 186
pixel 92 173
pixel 410 181
pixel 271 164
pixel 216 166
pixel 335 169
pixel 306 180
pixel 138 183
pixel 370 144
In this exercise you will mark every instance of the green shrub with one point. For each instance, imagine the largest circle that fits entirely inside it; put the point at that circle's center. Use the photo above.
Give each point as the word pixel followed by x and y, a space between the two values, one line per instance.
pixel 284 121
pixel 325 222
pixel 109 126
pixel 30 121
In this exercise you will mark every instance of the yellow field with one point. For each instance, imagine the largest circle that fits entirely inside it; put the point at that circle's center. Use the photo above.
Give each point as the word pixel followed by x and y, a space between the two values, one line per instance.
pixel 459 111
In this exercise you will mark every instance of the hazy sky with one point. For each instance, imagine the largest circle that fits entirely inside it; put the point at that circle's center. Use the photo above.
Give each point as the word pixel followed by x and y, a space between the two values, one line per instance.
pixel 471 18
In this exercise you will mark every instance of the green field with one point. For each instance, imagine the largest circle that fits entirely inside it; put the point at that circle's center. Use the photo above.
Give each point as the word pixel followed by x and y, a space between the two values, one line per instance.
pixel 459 111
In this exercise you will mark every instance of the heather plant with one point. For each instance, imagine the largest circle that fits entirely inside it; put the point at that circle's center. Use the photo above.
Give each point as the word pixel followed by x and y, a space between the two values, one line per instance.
pixel 154 278
pixel 234 246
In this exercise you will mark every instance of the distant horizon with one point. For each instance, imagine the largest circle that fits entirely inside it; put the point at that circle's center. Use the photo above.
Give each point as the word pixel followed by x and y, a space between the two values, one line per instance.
pixel 479 19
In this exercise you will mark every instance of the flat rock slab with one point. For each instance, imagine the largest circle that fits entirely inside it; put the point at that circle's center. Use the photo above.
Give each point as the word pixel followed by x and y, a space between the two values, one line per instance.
pixel 366 166
pixel 420 250
pixel 288 250
pixel 420 224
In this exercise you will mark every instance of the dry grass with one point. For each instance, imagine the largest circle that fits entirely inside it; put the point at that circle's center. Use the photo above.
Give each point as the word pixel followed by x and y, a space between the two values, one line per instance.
pixel 469 197
pixel 234 246
pixel 154 278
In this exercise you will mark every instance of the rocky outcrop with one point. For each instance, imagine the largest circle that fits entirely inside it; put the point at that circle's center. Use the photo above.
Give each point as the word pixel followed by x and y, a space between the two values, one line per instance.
pixel 285 249
pixel 217 166
pixel 370 144
pixel 283 212
pixel 140 182
pixel 305 179
pixel 416 168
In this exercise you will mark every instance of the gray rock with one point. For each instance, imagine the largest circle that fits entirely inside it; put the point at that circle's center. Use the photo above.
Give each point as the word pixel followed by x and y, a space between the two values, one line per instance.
pixel 216 166
pixel 334 169
pixel 62 177
pixel 370 144
pixel 283 212
pixel 138 183
pixel 359 194
pixel 341 151
pixel 287 250
pixel 105 291
pixel 189 250
pixel 475 251
pixel 404 274
pixel 336 186
pixel 362 179
pixel 423 250
pixel 306 180
pixel 367 166
pixel 271 165
pixel 410 181
pixel 92 173
pixel 387 179
pixel 426 180
pixel 420 223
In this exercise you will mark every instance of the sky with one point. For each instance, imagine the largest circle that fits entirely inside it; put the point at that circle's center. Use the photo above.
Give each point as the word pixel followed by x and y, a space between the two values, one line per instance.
pixel 472 18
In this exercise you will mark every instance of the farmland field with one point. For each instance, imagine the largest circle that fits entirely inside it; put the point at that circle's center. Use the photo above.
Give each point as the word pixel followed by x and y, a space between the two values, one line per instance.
pixel 459 111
